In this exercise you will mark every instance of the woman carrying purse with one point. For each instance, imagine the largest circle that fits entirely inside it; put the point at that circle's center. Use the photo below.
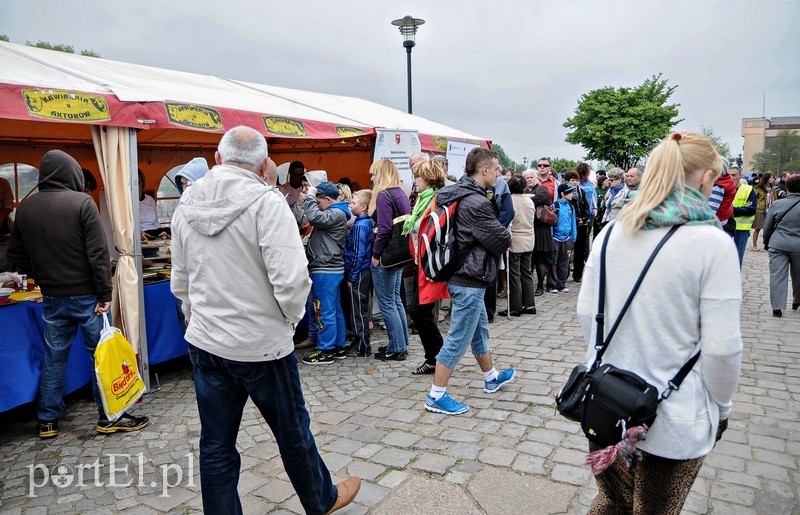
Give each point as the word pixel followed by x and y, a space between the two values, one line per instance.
pixel 688 302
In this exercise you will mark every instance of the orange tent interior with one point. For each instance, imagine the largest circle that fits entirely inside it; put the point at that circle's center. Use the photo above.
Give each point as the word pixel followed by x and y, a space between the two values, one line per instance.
pixel 159 150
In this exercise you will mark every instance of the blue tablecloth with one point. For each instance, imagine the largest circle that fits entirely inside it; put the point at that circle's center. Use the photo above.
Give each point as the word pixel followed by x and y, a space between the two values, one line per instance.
pixel 22 345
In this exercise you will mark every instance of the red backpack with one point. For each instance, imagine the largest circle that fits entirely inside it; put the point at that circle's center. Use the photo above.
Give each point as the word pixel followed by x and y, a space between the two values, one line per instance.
pixel 437 251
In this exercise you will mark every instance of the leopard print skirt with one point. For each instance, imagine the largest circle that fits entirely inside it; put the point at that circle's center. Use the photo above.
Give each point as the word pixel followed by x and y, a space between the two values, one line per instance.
pixel 653 485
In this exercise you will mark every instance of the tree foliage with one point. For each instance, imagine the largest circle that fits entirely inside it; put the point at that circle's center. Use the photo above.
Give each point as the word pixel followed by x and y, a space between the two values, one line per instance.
pixel 559 163
pixel 60 47
pixel 781 155
pixel 722 147
pixel 622 125
pixel 3 37
pixel 505 161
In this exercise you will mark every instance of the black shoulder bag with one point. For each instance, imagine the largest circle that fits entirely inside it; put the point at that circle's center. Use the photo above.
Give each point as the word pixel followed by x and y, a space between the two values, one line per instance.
pixel 607 400
pixel 396 253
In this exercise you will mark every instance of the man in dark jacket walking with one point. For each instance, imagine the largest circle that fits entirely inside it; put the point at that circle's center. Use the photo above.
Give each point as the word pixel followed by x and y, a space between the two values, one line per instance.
pixel 480 238
pixel 58 240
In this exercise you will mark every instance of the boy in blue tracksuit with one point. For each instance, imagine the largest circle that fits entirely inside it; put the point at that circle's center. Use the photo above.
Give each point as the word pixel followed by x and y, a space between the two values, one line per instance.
pixel 564 235
pixel 357 255
pixel 325 252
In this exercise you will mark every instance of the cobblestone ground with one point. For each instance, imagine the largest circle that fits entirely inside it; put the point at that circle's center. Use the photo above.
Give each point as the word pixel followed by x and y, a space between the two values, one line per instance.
pixel 509 452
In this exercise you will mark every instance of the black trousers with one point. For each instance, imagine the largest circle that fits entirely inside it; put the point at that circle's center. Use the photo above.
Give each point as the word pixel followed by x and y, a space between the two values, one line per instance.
pixel 360 311
pixel 581 250
pixel 521 285
pixel 424 318
pixel 490 297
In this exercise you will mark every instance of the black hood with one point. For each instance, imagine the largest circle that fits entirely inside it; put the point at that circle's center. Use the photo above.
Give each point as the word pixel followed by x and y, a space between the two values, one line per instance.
pixel 465 186
pixel 59 171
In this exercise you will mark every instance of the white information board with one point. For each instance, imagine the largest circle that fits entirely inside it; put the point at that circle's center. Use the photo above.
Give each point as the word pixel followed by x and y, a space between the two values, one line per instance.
pixel 457 156
pixel 397 145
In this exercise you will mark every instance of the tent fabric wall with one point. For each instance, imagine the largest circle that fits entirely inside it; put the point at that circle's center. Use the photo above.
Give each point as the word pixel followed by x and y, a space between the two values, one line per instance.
pixel 113 151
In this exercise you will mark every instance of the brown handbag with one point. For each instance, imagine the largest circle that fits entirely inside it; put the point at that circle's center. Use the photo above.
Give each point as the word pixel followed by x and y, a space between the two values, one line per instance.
pixel 547 215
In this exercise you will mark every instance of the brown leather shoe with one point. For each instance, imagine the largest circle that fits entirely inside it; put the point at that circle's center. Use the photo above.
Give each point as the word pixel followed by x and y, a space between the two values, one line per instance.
pixel 305 344
pixel 348 489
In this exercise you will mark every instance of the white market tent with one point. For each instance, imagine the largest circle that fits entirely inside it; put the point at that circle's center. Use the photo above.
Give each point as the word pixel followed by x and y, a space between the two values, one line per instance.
pixel 121 116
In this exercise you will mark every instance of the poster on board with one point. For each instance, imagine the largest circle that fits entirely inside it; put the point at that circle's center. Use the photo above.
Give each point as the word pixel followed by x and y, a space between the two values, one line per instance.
pixel 397 145
pixel 457 156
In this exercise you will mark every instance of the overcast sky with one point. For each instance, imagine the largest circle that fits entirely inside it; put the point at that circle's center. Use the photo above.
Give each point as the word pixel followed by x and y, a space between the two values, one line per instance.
pixel 509 71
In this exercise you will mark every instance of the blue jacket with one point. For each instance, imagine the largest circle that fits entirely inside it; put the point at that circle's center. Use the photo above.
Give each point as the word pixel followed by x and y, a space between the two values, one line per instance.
pixel 567 228
pixel 358 248
pixel 502 204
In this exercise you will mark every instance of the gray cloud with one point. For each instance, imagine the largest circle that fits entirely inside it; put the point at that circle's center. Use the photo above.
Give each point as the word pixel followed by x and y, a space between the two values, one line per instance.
pixel 509 71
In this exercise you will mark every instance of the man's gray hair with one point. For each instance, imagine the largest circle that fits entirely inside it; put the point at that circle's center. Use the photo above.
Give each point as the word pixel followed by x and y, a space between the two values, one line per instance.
pixel 243 145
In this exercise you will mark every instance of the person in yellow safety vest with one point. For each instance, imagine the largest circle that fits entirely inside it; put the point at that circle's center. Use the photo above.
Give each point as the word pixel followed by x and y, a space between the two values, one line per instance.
pixel 744 212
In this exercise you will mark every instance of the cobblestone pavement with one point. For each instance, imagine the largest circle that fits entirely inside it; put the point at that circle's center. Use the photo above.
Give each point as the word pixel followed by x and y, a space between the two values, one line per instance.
pixel 509 452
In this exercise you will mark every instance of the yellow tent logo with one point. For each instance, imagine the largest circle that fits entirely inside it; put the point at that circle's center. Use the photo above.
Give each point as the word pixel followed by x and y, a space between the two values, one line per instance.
pixel 66 105
pixel 349 132
pixel 440 142
pixel 285 127
pixel 194 116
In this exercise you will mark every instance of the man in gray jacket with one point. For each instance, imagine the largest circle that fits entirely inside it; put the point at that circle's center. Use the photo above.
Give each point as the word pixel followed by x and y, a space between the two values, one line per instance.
pixel 480 238
pixel 231 231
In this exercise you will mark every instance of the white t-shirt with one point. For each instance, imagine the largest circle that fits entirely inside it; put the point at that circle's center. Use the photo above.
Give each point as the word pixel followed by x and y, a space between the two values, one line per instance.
pixel 689 300
pixel 148 214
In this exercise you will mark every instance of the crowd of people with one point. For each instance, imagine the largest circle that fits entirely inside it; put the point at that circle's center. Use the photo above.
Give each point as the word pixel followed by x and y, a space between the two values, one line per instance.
pixel 314 254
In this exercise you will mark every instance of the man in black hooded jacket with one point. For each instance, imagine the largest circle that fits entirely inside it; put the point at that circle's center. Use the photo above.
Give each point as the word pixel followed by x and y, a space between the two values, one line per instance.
pixel 58 240
pixel 480 238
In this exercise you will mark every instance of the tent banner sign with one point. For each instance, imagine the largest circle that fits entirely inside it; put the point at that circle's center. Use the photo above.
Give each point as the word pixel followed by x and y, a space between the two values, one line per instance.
pixel 288 127
pixel 397 145
pixel 457 156
pixel 72 106
pixel 194 116
pixel 344 131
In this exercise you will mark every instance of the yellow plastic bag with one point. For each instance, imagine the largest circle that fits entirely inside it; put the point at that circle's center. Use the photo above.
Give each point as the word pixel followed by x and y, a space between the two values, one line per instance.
pixel 118 376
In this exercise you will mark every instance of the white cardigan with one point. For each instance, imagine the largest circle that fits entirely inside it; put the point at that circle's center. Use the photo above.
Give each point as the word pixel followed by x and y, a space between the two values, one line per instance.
pixel 689 301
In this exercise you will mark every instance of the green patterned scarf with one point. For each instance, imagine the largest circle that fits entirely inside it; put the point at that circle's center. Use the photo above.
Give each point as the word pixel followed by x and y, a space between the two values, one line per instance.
pixel 423 200
pixel 688 206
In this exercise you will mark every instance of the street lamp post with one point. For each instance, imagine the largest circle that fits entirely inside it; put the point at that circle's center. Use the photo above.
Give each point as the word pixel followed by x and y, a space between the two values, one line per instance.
pixel 408 28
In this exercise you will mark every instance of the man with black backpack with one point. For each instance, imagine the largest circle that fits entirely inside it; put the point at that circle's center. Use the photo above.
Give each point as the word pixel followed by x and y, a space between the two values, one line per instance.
pixel 478 238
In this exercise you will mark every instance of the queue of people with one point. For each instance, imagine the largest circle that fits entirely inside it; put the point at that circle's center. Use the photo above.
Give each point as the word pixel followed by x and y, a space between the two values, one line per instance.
pixel 327 271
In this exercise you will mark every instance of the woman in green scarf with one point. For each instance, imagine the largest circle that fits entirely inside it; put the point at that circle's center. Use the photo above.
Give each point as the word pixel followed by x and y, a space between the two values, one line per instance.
pixel 428 178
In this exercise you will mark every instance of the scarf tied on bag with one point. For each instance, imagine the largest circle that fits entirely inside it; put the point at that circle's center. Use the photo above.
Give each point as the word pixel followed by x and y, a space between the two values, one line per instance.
pixel 687 206
pixel 600 460
pixel 423 200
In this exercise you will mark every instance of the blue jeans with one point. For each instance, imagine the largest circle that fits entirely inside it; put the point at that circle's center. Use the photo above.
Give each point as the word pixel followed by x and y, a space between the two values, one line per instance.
pixel 469 325
pixel 327 316
pixel 62 318
pixel 740 239
pixel 222 387
pixel 387 290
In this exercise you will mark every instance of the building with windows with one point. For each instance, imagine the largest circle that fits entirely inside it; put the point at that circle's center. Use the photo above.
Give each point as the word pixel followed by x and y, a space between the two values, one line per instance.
pixel 757 133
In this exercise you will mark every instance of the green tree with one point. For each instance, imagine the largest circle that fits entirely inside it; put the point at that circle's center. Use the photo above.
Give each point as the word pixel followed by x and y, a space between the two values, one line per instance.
pixel 622 125
pixel 60 47
pixel 559 163
pixel 782 154
pixel 722 147
pixel 505 161
pixel 3 37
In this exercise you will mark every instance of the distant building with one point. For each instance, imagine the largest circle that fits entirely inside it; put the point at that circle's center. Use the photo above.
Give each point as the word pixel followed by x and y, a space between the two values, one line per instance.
pixel 757 133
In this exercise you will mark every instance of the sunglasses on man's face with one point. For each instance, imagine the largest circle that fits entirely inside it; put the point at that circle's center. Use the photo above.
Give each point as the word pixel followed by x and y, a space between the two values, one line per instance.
pixel 543 165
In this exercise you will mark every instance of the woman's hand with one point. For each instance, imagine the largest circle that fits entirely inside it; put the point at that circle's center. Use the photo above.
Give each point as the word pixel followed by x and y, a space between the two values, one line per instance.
pixel 375 262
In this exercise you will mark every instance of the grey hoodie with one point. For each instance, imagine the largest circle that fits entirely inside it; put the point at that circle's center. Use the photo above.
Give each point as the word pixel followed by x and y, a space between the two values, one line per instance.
pixel 238 266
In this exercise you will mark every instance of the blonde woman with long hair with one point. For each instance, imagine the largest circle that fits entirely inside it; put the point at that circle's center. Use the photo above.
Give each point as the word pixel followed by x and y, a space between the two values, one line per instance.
pixel 387 203
pixel 689 302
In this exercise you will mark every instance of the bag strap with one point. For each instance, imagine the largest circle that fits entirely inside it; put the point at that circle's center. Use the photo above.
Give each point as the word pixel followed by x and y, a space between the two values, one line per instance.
pixel 602 344
pixel 395 209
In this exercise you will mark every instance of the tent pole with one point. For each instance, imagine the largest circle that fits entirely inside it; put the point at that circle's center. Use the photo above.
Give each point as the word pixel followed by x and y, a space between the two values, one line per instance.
pixel 144 368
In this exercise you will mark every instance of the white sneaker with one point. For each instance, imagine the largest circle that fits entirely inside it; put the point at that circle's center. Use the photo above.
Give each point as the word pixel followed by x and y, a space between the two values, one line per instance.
pixel 564 290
